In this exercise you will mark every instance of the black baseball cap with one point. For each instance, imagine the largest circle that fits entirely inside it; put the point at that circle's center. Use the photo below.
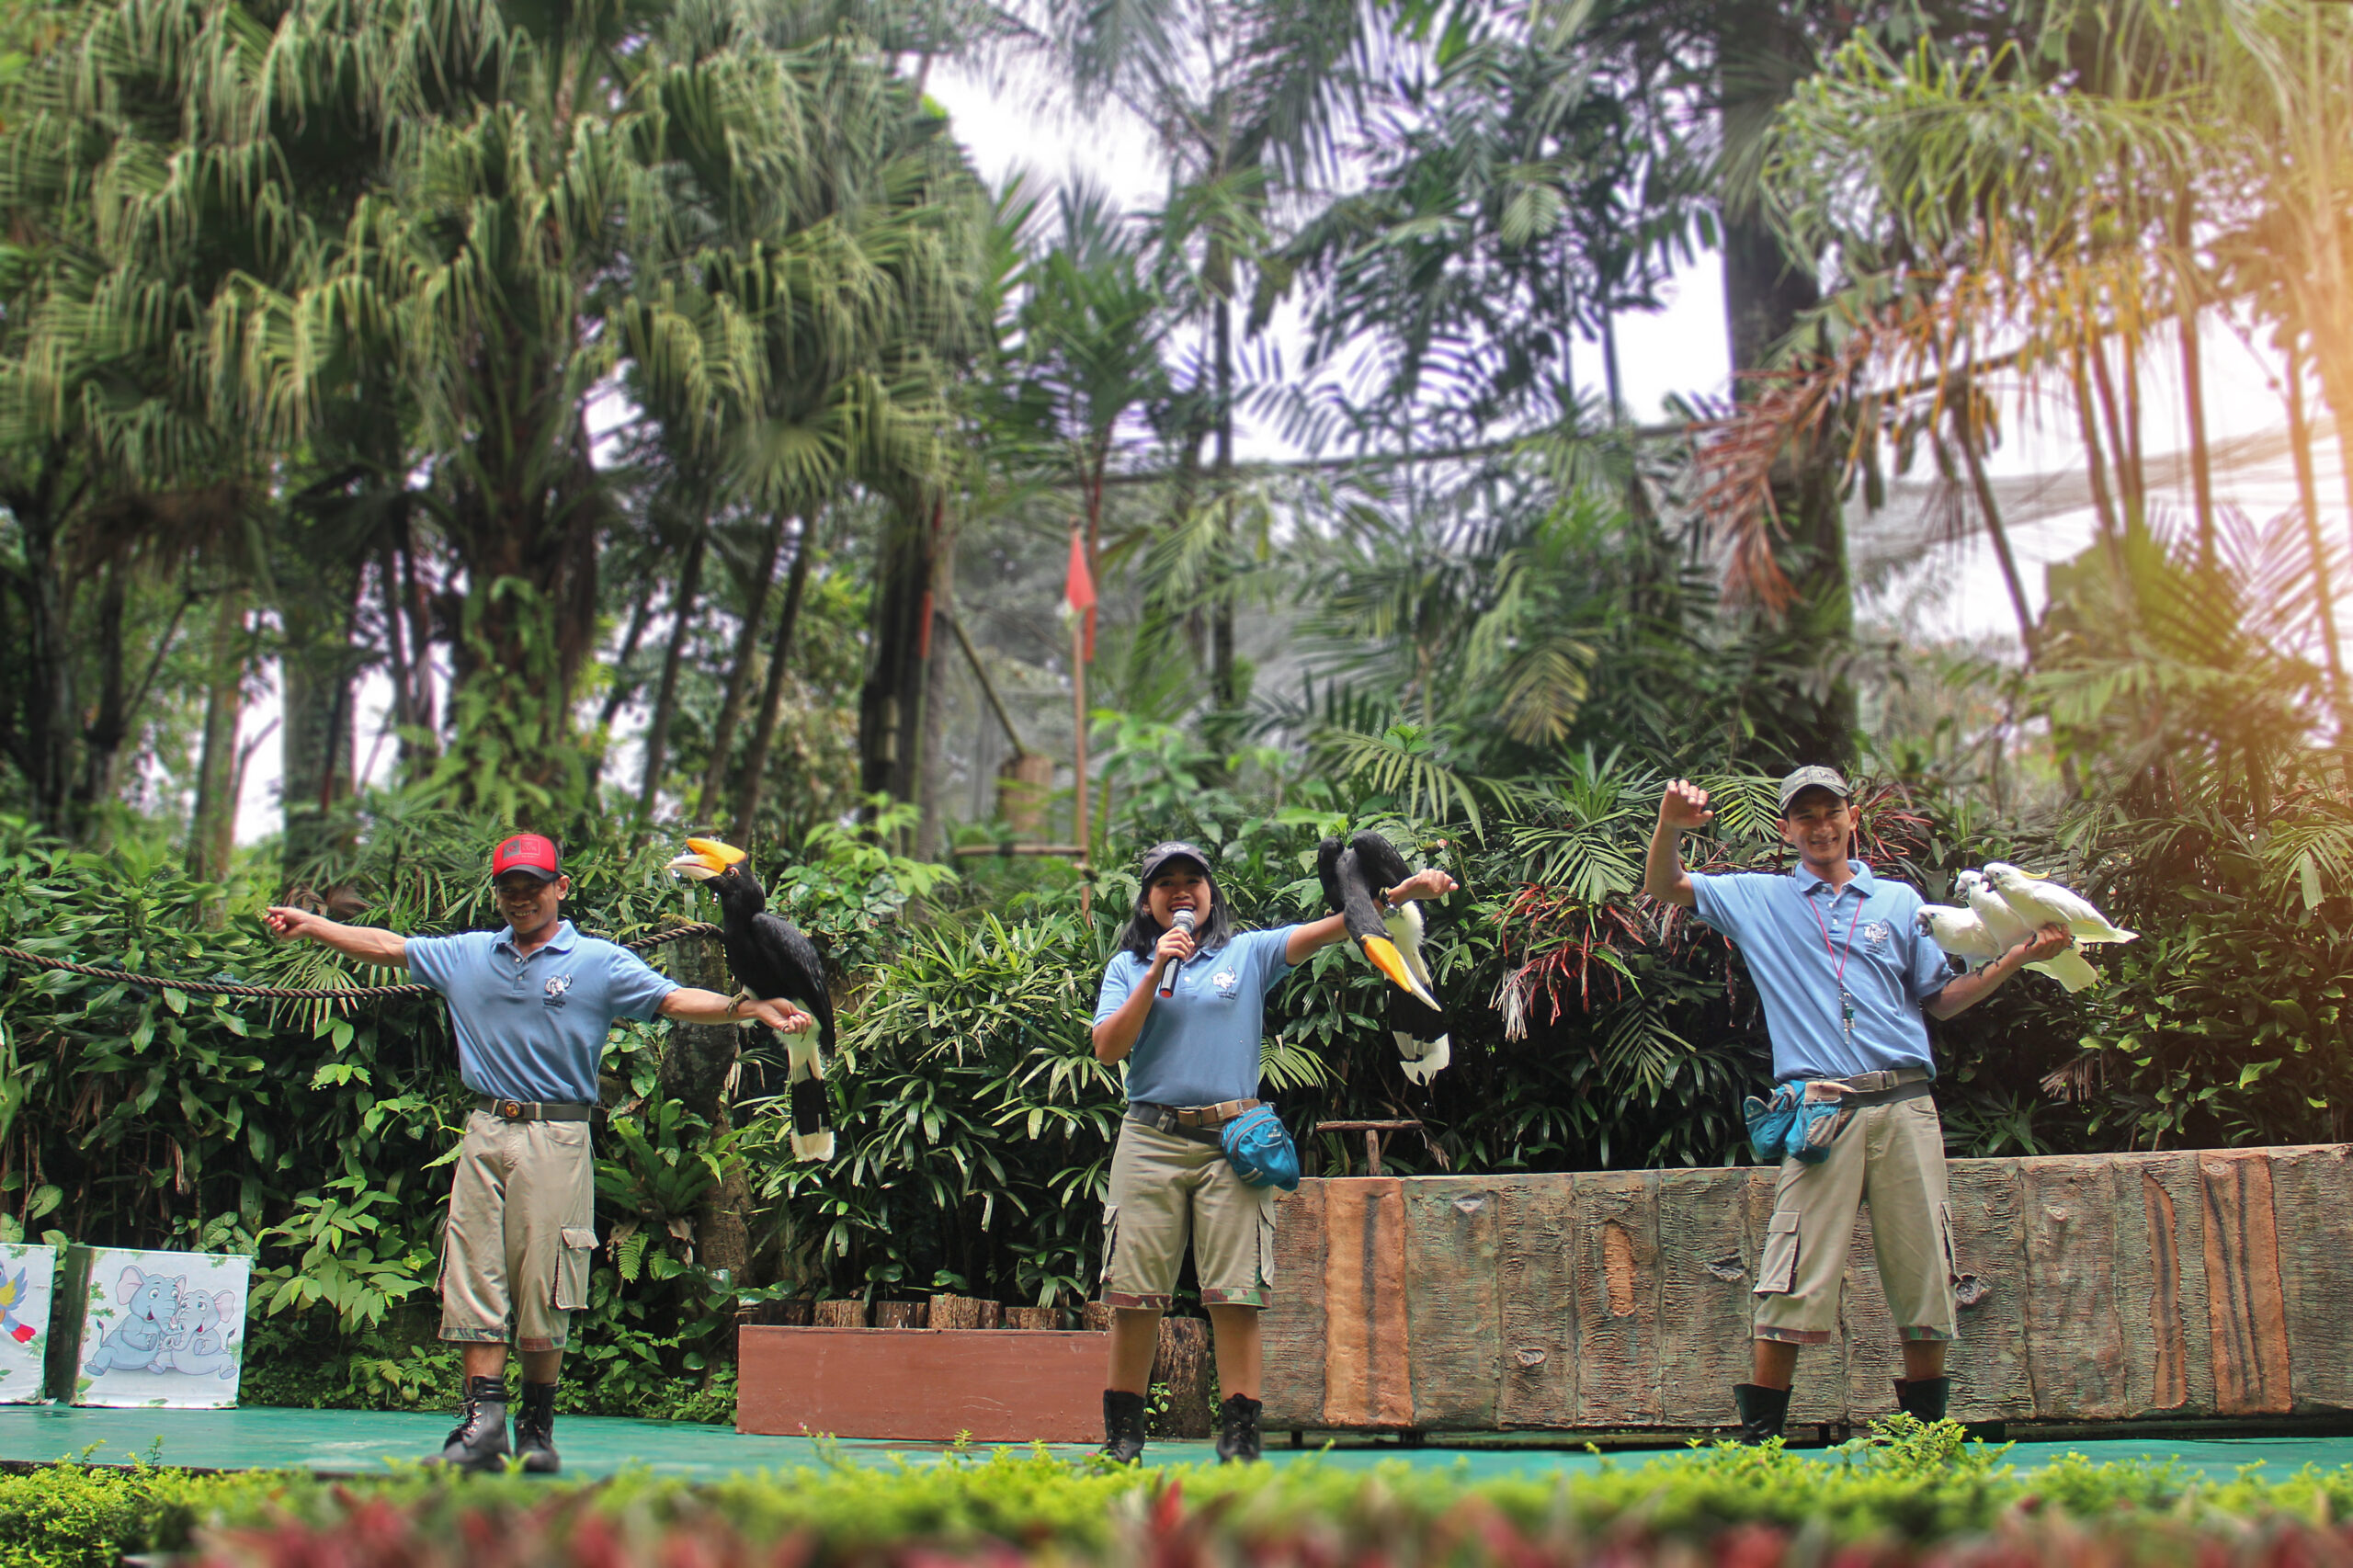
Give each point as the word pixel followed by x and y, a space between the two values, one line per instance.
pixel 1159 855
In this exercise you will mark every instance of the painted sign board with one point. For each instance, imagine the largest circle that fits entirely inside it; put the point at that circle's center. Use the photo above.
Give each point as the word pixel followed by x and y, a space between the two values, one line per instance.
pixel 136 1326
pixel 28 1275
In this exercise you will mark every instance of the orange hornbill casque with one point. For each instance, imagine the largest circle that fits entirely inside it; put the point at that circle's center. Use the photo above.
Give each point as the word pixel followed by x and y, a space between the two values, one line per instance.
pixel 774 961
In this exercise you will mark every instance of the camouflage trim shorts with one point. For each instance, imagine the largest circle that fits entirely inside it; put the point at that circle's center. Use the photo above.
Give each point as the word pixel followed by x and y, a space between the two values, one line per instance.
pixel 522 1225
pixel 1892 1157
pixel 1169 1192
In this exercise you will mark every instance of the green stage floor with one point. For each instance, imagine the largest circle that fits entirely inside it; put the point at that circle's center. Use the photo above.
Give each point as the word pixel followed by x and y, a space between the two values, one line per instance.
pixel 349 1442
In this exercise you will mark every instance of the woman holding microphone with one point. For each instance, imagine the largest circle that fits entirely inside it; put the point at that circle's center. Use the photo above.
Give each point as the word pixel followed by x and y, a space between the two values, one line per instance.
pixel 1184 1005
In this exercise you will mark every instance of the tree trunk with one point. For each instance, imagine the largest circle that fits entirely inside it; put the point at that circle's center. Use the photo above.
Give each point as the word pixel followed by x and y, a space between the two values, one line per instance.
pixel 2308 498
pixel 1993 516
pixel 698 1062
pixel 666 700
pixel 708 800
pixel 2193 378
pixel 44 736
pixel 1767 291
pixel 752 780
pixel 212 829
pixel 314 683
pixel 1225 684
pixel 890 714
pixel 928 827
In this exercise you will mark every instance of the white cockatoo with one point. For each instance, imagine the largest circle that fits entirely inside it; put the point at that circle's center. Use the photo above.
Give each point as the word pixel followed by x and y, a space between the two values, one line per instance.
pixel 1998 924
pixel 1958 932
pixel 2039 901
pixel 2001 922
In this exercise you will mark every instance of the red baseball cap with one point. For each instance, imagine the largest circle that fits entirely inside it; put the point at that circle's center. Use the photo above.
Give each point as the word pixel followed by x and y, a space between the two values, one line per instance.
pixel 526 852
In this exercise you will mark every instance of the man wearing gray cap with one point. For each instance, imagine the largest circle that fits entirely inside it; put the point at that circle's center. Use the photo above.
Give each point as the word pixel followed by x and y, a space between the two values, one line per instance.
pixel 1845 975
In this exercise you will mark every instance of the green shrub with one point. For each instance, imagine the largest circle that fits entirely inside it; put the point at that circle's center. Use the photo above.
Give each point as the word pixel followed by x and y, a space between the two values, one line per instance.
pixel 1921 1497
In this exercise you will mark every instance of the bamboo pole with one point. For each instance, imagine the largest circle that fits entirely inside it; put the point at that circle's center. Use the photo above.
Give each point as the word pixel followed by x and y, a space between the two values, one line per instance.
pixel 1078 707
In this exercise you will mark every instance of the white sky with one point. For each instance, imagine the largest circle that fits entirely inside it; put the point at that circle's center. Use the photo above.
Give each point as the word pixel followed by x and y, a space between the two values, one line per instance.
pixel 1010 128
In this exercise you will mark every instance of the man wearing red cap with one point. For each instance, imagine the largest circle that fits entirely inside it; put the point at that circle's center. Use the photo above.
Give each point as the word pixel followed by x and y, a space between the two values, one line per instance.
pixel 531 1006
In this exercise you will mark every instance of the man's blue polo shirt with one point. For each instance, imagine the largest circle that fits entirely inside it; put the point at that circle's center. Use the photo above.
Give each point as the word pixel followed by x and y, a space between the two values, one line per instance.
pixel 533 1027
pixel 1780 922
pixel 1201 1046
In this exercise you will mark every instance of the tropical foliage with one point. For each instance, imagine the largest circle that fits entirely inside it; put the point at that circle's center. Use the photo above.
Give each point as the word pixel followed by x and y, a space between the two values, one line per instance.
pixel 644 419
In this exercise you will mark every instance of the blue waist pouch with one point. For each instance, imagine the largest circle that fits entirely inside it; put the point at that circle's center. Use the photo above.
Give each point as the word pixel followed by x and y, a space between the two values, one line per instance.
pixel 1259 1150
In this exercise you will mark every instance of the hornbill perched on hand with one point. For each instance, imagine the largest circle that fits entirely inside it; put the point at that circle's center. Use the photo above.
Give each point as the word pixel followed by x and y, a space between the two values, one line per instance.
pixel 1354 875
pixel 774 961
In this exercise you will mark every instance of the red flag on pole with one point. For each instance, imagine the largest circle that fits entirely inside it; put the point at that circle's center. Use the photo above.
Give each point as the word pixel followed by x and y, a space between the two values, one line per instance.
pixel 1078 592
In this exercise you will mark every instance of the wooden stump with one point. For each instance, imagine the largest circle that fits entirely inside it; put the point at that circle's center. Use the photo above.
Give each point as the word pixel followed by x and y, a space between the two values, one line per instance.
pixel 1033 1317
pixel 850 1313
pixel 963 1312
pixel 797 1312
pixel 1183 1361
pixel 899 1314
pixel 1096 1315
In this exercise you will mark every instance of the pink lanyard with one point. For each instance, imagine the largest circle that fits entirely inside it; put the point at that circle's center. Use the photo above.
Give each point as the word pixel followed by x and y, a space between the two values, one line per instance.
pixel 1846 1002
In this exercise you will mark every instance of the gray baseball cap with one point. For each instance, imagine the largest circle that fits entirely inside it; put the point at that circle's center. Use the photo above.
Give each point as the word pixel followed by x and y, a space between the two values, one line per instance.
pixel 1816 777
pixel 1159 855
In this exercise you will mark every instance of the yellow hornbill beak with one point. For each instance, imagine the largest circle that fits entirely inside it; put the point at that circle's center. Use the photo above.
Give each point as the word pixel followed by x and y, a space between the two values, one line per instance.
pixel 1388 961
pixel 709 859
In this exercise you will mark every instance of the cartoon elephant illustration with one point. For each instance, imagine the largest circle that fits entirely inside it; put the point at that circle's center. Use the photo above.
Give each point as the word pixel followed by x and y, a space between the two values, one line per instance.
pixel 195 1343
pixel 137 1343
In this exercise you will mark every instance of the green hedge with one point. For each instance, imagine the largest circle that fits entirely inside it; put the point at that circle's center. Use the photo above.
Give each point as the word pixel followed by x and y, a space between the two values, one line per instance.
pixel 1923 1497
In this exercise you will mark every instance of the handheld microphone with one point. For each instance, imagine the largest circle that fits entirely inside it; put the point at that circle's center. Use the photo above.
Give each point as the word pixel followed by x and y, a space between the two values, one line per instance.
pixel 1183 921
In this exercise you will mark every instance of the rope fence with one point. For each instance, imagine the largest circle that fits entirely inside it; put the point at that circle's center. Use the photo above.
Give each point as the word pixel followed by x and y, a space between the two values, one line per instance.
pixel 299 993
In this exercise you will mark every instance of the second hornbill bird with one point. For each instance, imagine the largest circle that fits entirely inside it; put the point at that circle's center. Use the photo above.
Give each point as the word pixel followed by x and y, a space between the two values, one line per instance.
pixel 774 961
pixel 1355 874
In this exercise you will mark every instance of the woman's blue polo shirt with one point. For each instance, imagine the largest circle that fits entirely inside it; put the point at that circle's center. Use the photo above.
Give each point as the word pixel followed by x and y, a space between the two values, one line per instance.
pixel 1780 919
pixel 532 1027
pixel 1201 1046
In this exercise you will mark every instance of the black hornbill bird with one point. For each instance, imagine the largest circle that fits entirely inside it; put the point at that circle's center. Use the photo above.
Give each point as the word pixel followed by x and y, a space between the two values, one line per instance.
pixel 774 961
pixel 1354 875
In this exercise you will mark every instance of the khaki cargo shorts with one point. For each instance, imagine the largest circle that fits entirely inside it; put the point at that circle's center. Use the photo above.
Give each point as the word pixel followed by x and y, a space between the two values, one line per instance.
pixel 1168 1190
pixel 522 1225
pixel 1892 1157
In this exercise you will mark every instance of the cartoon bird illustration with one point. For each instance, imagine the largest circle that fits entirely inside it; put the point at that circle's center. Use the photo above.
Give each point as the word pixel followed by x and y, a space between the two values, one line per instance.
pixel 775 961
pixel 2006 930
pixel 12 1296
pixel 1354 875
pixel 2039 901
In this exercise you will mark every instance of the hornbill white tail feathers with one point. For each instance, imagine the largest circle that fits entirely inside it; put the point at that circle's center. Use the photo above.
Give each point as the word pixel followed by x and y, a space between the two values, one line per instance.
pixel 1354 875
pixel 775 961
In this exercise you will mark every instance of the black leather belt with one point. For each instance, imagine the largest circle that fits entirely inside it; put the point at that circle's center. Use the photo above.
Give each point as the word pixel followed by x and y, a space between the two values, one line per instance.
pixel 533 1110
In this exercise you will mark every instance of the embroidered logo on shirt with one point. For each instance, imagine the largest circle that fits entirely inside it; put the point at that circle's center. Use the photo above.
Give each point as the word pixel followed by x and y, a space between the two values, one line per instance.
pixel 1225 980
pixel 1876 934
pixel 557 986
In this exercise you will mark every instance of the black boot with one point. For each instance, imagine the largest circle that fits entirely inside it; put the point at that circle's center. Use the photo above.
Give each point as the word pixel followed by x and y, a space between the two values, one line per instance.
pixel 535 1429
pixel 1123 1427
pixel 479 1441
pixel 1762 1410
pixel 1923 1399
pixel 1238 1429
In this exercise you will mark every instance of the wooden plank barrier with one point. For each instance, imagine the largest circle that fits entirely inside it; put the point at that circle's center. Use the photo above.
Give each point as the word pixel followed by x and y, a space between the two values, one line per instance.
pixel 2205 1283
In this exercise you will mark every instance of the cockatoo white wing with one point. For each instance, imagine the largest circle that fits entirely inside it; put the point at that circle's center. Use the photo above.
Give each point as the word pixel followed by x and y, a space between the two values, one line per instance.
pixel 2069 969
pixel 2001 922
pixel 1958 932
pixel 2039 901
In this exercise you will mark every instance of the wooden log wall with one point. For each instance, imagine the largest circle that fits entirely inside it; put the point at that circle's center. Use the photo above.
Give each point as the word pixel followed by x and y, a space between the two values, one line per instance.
pixel 2208 1283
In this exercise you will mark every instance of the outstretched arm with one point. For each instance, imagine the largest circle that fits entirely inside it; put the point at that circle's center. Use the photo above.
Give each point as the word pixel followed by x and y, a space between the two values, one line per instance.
pixel 1307 941
pixel 1682 807
pixel 1966 991
pixel 369 944
pixel 689 1005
